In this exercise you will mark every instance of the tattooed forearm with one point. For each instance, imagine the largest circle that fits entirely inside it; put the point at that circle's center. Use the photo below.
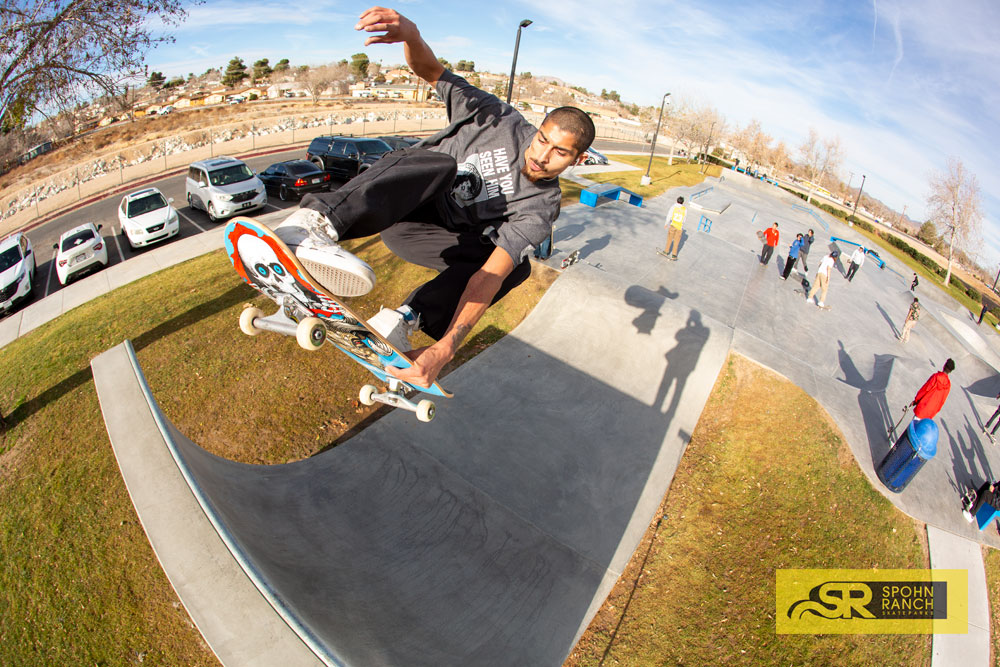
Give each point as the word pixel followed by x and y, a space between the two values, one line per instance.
pixel 459 333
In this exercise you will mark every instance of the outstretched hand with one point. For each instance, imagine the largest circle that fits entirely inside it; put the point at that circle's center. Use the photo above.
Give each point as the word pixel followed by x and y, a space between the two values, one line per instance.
pixel 395 26
pixel 427 364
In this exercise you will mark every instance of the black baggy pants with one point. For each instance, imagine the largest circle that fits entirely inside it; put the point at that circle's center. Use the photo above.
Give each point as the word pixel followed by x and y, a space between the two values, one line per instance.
pixel 401 197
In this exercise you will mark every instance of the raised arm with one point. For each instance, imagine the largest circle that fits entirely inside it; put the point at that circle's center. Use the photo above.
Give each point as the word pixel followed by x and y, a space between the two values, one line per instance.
pixel 397 28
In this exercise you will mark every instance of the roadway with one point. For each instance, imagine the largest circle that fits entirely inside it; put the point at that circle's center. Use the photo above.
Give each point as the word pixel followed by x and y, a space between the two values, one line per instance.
pixel 192 221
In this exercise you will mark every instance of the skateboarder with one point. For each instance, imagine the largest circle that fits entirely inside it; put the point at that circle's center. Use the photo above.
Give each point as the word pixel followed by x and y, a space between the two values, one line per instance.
pixel 479 244
pixel 822 283
pixel 987 493
pixel 770 241
pixel 989 421
pixel 857 261
pixel 675 221
pixel 913 285
pixel 931 397
pixel 911 319
pixel 807 242
pixel 793 256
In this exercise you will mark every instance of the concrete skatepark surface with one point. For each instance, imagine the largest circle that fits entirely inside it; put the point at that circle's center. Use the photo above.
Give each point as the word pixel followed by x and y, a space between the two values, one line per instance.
pixel 492 535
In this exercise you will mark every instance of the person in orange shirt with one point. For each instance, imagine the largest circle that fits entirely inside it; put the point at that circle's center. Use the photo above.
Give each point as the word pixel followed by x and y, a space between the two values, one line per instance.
pixel 770 242
pixel 931 397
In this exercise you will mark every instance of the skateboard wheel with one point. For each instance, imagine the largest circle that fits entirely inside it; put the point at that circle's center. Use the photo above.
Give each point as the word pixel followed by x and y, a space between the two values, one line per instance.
pixel 310 333
pixel 246 321
pixel 425 410
pixel 367 392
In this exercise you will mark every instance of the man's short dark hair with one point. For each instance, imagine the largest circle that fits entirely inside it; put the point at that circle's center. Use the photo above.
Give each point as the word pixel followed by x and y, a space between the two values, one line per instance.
pixel 576 122
pixel 680 200
pixel 949 366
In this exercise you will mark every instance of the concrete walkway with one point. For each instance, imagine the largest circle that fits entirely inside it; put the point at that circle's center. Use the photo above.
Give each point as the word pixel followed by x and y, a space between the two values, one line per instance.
pixel 679 319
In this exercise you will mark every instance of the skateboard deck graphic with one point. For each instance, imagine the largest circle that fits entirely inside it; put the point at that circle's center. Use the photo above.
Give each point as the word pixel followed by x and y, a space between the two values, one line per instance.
pixel 307 311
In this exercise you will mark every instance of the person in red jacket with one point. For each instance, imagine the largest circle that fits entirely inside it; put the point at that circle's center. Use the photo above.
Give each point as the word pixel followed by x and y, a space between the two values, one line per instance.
pixel 933 394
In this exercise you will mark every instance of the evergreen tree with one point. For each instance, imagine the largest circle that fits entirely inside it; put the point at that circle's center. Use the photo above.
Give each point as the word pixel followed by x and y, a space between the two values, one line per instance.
pixel 261 70
pixel 235 73
pixel 359 65
pixel 282 65
pixel 156 80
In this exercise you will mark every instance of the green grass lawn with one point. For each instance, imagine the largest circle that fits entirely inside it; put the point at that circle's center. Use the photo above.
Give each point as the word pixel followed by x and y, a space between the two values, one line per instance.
pixel 79 583
pixel 767 483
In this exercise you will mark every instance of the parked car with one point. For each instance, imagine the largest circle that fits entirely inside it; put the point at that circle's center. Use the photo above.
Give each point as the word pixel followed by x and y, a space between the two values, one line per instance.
pixel 224 186
pixel 17 271
pixel 294 178
pixel 593 157
pixel 345 157
pixel 146 216
pixel 396 142
pixel 80 250
pixel 165 110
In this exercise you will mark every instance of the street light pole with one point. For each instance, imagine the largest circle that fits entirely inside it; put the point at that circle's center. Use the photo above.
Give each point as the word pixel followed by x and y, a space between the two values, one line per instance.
pixel 513 66
pixel 646 180
pixel 860 190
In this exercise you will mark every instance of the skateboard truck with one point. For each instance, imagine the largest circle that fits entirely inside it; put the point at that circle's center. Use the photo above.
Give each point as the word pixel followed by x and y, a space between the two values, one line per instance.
pixel 310 333
pixel 370 395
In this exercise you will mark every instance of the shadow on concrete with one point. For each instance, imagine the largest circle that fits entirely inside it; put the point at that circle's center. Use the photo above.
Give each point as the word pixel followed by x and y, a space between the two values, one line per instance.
pixel 568 232
pixel 594 245
pixel 681 360
pixel 892 325
pixel 970 467
pixel 875 411
pixel 650 302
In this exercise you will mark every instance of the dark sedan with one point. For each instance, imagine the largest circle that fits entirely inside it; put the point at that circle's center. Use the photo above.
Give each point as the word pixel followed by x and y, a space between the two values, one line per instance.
pixel 294 178
pixel 397 142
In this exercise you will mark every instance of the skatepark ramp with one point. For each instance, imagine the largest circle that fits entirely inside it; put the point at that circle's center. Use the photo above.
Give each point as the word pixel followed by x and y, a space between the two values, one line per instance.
pixel 490 536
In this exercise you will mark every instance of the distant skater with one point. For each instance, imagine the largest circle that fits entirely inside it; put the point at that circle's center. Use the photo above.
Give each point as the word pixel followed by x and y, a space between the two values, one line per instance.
pixel 675 223
pixel 911 319
pixel 857 261
pixel 793 256
pixel 770 242
pixel 913 285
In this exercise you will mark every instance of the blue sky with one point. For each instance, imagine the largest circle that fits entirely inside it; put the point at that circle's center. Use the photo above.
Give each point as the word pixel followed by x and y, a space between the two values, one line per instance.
pixel 904 83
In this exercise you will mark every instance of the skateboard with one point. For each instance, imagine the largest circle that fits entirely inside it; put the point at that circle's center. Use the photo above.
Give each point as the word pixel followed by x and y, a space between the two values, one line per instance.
pixel 760 236
pixel 571 259
pixel 666 254
pixel 892 430
pixel 313 315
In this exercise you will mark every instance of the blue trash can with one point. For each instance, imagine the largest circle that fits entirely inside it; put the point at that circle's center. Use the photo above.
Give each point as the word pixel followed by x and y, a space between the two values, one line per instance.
pixel 912 450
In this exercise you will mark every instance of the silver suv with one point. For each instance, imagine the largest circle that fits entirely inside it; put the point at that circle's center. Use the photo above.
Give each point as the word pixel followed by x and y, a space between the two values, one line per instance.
pixel 224 186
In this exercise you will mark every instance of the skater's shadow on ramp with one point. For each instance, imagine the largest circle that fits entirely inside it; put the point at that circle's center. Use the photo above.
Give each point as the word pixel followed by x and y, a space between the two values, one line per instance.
pixel 872 401
pixel 895 331
pixel 681 361
pixel 970 467
pixel 650 302
pixel 568 233
pixel 594 245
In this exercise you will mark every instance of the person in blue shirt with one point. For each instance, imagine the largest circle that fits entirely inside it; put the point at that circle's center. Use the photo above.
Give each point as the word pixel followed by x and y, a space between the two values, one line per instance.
pixel 793 255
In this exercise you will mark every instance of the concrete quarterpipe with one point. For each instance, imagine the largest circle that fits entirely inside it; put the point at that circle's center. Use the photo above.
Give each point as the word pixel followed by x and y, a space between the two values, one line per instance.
pixel 489 537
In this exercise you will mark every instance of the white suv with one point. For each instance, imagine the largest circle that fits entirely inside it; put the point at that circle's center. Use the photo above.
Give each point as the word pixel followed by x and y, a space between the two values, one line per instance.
pixel 17 270
pixel 224 186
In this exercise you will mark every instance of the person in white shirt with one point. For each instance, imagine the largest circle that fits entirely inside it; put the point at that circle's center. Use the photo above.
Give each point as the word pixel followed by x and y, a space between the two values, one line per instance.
pixel 857 261
pixel 822 282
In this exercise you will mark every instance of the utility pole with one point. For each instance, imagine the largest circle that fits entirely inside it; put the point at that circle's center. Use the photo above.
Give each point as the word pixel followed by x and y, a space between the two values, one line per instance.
pixel 513 66
pixel 860 190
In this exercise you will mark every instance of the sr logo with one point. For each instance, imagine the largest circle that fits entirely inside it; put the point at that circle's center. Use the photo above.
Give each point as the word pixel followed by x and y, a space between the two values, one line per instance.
pixel 835 599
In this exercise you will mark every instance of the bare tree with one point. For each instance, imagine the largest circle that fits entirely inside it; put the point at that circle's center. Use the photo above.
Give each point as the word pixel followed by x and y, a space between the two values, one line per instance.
pixel 316 80
pixel 820 157
pixel 56 52
pixel 955 203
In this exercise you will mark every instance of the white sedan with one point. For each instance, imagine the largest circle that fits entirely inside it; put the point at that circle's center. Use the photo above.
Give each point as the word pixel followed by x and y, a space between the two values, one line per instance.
pixel 79 250
pixel 146 216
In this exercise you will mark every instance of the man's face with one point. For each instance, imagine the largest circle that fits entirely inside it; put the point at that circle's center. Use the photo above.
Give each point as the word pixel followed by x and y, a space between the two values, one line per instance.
pixel 550 153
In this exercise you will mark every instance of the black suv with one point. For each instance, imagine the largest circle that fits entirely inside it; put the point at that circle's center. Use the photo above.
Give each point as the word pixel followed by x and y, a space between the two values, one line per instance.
pixel 345 157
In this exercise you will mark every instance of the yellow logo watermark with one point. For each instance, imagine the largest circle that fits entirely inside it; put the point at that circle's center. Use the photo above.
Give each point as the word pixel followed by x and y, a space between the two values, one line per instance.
pixel 872 601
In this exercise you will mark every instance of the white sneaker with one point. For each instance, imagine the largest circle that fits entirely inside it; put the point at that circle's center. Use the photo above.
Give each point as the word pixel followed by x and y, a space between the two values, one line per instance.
pixel 305 222
pixel 396 326
pixel 820 304
pixel 313 240
pixel 968 516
